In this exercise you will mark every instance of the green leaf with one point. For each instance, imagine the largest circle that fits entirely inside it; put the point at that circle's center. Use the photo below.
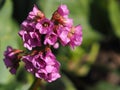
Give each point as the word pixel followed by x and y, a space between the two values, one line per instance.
pixel 114 14
pixel 8 36
pixel 63 83
pixel 102 85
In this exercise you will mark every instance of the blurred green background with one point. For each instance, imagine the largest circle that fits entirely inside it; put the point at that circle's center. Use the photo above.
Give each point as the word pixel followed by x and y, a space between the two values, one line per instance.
pixel 95 65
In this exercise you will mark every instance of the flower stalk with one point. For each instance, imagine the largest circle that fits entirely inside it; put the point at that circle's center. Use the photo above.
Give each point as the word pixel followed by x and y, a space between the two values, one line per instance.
pixel 36 84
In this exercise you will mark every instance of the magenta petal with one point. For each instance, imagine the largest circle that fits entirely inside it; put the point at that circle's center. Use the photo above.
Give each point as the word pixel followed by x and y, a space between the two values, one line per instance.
pixel 50 39
pixel 63 10
pixel 33 13
pixel 53 77
pixel 76 39
pixel 11 60
pixel 63 35
pixel 56 45
pixel 13 70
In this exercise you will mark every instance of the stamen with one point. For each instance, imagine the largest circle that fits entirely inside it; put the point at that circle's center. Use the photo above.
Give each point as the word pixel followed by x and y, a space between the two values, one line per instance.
pixel 45 24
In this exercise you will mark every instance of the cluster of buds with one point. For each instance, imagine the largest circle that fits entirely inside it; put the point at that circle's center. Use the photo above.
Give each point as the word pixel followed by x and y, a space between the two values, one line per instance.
pixel 39 35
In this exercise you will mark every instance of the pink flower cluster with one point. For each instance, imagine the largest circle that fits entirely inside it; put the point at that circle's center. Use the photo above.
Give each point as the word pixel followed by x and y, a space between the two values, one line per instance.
pixel 39 34
pixel 37 30
pixel 43 65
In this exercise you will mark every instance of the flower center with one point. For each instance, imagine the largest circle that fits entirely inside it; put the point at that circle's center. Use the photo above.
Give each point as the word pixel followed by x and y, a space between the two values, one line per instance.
pixel 45 24
pixel 72 31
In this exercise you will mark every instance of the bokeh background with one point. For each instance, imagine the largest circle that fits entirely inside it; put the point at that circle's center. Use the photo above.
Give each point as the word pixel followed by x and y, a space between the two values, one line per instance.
pixel 95 65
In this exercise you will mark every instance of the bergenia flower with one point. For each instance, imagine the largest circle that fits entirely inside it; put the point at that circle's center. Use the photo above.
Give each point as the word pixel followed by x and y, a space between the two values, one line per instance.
pixel 35 14
pixel 60 16
pixel 63 10
pixel 30 39
pixel 70 36
pixel 43 66
pixel 30 35
pixel 63 35
pixel 28 63
pixel 50 39
pixel 39 34
pixel 11 59
pixel 45 26
pixel 52 67
pixel 67 22
pixel 75 36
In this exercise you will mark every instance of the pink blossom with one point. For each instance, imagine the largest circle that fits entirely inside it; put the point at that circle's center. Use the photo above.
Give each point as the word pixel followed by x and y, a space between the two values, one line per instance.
pixel 63 35
pixel 50 39
pixel 44 66
pixel 35 14
pixel 45 26
pixel 75 36
pixel 11 60
pixel 30 35
pixel 63 10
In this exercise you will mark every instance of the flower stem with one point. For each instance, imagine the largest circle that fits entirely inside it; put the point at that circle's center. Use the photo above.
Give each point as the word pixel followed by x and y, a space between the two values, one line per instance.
pixel 36 84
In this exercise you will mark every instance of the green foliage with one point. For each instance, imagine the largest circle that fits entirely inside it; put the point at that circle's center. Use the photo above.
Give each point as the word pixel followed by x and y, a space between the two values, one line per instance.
pixel 105 86
pixel 62 84
pixel 114 14
pixel 8 36
pixel 77 61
